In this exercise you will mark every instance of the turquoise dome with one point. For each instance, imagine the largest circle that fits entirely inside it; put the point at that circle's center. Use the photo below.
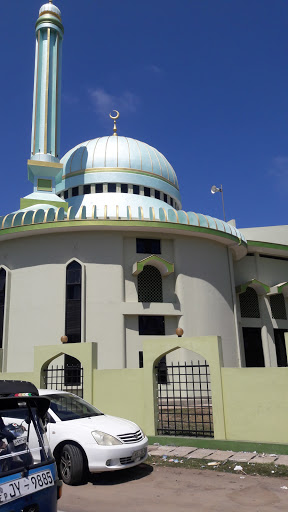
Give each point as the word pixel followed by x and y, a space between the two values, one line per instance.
pixel 123 153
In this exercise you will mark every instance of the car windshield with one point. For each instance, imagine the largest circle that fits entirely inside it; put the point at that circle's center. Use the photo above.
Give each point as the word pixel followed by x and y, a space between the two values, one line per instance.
pixel 71 407
pixel 23 442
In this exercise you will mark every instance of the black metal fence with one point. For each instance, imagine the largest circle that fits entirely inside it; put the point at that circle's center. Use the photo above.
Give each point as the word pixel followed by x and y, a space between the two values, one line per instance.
pixel 184 400
pixel 65 378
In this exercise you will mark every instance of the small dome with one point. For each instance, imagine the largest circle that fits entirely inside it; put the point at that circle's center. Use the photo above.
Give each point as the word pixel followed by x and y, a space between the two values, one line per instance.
pixel 121 153
pixel 49 7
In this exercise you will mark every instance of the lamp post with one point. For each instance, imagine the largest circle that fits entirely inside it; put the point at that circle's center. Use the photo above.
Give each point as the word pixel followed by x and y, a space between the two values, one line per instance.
pixel 215 189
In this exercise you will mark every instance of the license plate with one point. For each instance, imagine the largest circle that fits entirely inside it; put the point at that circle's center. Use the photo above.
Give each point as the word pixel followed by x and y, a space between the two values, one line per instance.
pixel 138 454
pixel 19 440
pixel 10 491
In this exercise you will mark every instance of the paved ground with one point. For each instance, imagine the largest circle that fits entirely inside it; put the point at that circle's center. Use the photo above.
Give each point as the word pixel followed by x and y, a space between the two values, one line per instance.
pixel 162 489
pixel 217 455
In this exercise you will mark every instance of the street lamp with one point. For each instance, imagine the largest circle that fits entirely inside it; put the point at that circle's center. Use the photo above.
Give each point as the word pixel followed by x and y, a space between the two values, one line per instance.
pixel 215 189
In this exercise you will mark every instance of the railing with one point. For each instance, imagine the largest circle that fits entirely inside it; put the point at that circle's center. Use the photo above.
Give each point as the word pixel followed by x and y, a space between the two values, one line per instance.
pixel 184 400
pixel 65 378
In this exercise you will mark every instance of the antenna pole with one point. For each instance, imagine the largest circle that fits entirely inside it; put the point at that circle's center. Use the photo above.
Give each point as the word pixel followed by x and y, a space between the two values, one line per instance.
pixel 221 189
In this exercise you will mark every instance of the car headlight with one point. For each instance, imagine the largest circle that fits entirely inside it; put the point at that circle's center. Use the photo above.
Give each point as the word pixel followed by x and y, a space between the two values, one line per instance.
pixel 104 439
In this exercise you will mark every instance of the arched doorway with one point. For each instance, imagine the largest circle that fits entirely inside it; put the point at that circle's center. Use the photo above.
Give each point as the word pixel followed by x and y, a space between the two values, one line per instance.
pixel 64 373
pixel 184 398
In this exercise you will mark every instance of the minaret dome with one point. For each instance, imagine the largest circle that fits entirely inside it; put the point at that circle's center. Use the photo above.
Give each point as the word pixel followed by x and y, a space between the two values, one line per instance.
pixel 50 8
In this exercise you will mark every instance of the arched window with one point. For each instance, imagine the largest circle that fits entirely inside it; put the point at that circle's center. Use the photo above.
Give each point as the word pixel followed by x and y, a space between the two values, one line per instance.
pixel 73 302
pixel 2 303
pixel 278 309
pixel 249 304
pixel 150 285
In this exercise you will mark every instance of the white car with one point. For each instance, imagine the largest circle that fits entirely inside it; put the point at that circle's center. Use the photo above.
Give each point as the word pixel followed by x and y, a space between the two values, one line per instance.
pixel 81 437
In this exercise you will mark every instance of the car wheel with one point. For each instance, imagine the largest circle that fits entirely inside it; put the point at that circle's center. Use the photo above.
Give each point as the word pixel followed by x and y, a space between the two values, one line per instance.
pixel 71 465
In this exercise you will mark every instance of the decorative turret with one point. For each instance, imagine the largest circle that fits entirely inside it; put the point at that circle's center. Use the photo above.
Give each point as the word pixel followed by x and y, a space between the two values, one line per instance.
pixel 44 165
pixel 45 140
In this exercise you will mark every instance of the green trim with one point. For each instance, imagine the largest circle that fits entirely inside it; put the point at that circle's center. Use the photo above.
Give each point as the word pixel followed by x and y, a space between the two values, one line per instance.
pixel 44 184
pixel 268 245
pixel 124 223
pixel 141 264
pixel 49 19
pixel 25 203
pixel 119 169
pixel 280 288
pixel 243 287
pixel 235 446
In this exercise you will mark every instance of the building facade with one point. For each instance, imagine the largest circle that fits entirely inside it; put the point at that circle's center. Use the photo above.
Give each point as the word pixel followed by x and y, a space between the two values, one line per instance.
pixel 102 252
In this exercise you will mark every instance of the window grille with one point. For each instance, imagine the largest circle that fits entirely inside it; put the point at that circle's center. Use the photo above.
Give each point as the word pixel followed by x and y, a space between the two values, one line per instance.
pixel 150 285
pixel 278 309
pixel 2 302
pixel 73 302
pixel 249 305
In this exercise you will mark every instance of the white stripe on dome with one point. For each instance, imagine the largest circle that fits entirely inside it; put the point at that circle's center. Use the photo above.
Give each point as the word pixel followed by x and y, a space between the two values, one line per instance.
pixel 105 151
pixel 139 153
pixel 97 140
pixel 128 152
pixel 147 146
pixel 156 153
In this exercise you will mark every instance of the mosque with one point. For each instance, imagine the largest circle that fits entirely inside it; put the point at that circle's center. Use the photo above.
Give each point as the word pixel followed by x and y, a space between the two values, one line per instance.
pixel 102 252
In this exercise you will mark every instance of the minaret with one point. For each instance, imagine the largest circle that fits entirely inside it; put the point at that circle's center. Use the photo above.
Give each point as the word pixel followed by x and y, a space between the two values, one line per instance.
pixel 44 165
pixel 45 140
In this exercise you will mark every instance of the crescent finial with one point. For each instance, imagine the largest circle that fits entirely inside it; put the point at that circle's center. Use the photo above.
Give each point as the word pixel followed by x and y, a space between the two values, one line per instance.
pixel 114 119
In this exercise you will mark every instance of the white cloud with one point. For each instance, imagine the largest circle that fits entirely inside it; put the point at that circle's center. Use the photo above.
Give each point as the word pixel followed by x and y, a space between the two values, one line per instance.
pixel 155 69
pixel 279 166
pixel 104 102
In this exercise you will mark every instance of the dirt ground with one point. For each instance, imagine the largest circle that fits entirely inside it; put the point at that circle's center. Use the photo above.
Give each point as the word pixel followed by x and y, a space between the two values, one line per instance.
pixel 163 489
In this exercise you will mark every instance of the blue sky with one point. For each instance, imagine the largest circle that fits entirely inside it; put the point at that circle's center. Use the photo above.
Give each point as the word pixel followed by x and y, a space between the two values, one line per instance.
pixel 203 81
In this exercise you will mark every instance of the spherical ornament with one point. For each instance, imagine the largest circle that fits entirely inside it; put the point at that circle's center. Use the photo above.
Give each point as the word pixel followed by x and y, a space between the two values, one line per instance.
pixel 64 339
pixel 179 332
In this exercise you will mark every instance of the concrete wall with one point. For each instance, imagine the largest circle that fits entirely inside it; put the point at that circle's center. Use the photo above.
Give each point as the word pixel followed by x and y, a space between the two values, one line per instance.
pixel 198 295
pixel 204 290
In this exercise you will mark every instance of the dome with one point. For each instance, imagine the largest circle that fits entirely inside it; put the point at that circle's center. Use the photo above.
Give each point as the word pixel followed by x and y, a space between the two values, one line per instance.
pixel 118 153
pixel 49 7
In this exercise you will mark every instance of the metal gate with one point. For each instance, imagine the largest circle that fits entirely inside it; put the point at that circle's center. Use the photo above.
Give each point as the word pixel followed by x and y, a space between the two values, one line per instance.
pixel 184 399
pixel 68 377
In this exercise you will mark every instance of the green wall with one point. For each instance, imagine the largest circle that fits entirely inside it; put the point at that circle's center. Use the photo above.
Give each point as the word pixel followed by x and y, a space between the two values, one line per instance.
pixel 249 404
pixel 120 393
pixel 256 404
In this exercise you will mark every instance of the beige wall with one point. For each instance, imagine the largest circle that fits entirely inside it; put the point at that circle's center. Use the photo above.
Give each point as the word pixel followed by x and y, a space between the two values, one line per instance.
pixel 197 296
pixel 204 289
